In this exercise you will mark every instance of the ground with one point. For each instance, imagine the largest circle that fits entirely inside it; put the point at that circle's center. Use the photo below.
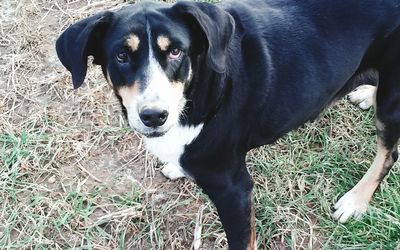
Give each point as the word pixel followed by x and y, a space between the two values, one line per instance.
pixel 73 175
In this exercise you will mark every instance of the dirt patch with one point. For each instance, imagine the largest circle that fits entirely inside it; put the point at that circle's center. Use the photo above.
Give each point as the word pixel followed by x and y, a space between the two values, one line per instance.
pixel 73 174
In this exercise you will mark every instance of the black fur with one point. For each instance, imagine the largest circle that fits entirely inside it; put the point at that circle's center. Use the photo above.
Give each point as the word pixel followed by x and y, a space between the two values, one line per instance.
pixel 260 69
pixel 81 40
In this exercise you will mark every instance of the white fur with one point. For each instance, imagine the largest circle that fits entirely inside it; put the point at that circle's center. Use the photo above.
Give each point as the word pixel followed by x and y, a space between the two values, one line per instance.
pixel 173 172
pixel 169 147
pixel 363 96
pixel 350 205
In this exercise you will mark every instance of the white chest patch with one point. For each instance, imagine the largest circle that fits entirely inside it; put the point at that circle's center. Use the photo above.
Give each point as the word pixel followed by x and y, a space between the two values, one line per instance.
pixel 169 147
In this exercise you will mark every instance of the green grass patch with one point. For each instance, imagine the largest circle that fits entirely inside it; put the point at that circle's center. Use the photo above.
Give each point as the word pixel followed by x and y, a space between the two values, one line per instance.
pixel 300 178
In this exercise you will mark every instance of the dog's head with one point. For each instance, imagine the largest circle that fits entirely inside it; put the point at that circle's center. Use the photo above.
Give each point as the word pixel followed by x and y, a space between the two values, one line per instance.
pixel 149 53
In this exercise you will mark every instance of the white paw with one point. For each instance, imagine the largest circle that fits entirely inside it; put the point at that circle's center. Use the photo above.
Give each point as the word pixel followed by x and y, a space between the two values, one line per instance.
pixel 363 96
pixel 350 205
pixel 173 172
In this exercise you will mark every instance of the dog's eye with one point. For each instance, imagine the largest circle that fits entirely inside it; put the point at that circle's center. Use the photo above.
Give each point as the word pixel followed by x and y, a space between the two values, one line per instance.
pixel 122 57
pixel 174 53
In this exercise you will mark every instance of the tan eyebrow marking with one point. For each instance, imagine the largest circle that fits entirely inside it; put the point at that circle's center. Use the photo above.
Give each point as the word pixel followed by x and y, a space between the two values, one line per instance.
pixel 163 42
pixel 133 42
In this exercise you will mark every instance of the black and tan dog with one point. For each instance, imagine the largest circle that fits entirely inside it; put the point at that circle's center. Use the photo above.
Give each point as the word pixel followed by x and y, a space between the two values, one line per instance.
pixel 206 83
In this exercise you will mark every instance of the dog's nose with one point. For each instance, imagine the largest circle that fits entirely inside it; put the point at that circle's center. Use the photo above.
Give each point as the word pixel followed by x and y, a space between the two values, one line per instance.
pixel 153 117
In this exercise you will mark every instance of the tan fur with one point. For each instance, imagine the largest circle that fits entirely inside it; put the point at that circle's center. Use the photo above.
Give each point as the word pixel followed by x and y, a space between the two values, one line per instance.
pixel 355 202
pixel 128 93
pixel 366 187
pixel 163 42
pixel 252 245
pixel 133 42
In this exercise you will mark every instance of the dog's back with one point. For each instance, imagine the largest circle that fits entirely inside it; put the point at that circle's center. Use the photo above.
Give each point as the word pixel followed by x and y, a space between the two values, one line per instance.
pixel 306 53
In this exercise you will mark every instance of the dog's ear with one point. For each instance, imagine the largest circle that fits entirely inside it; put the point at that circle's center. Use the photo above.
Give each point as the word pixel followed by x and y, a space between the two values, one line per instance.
pixel 217 25
pixel 81 40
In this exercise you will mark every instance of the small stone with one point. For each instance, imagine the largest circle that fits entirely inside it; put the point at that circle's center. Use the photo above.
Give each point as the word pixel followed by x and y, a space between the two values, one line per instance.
pixel 52 179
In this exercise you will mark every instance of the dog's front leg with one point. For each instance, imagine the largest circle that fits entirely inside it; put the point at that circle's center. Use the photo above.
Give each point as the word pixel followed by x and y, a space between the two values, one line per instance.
pixel 230 191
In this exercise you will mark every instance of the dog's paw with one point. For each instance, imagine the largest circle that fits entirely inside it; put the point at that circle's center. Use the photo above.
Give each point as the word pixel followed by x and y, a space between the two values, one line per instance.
pixel 173 172
pixel 363 96
pixel 350 205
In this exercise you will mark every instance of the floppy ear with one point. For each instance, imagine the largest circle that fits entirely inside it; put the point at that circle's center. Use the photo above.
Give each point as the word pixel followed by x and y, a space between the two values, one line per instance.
pixel 217 25
pixel 81 40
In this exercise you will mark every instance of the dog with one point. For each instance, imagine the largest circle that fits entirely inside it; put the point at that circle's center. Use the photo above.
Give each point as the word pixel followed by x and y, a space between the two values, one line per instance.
pixel 205 83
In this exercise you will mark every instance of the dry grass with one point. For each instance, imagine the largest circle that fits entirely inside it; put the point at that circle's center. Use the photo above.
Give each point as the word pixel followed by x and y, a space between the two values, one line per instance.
pixel 72 175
